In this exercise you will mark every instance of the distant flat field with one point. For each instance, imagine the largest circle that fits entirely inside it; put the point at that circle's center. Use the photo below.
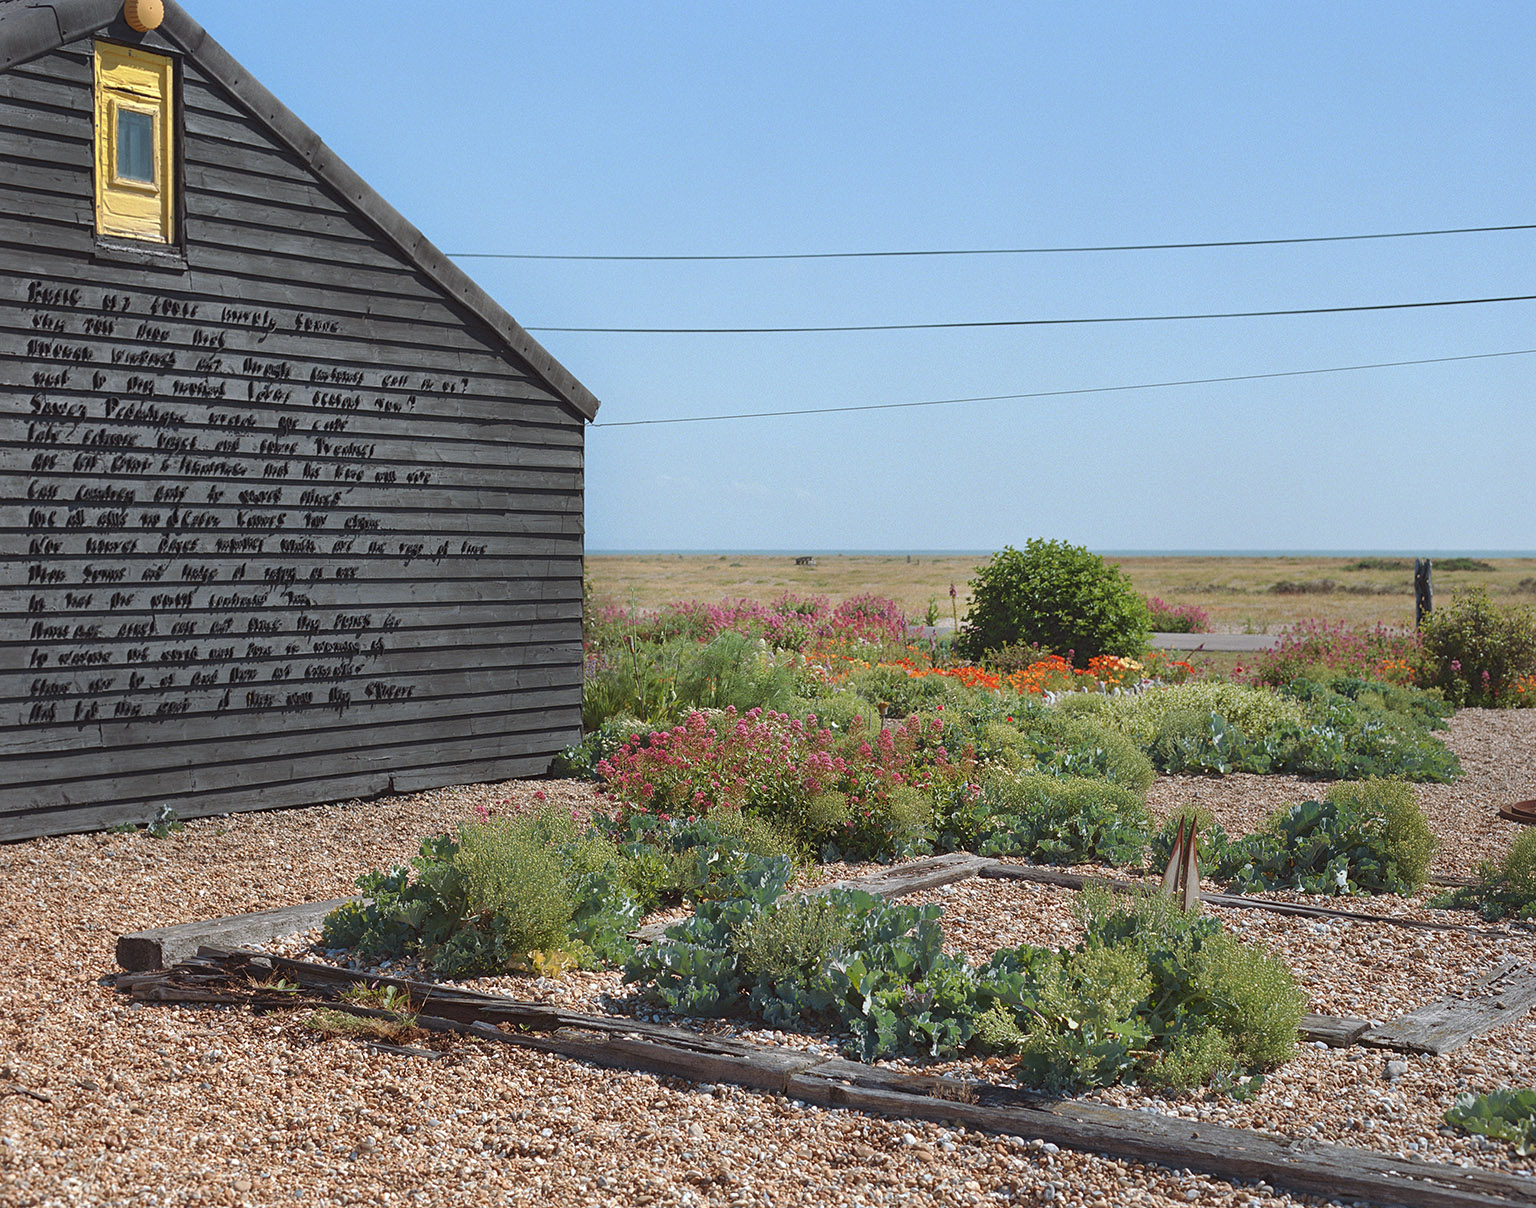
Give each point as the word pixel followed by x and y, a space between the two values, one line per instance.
pixel 1242 594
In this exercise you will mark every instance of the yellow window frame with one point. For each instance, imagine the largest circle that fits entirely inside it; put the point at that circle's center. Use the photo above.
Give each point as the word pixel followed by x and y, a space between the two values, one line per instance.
pixel 133 81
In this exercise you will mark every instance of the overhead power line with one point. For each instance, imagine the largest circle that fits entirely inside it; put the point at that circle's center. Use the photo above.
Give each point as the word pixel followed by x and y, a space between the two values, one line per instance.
pixel 1008 251
pixel 1179 318
pixel 993 398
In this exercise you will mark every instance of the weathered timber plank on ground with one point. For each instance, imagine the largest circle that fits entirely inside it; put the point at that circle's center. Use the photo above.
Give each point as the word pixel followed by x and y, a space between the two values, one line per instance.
pixel 1338 1032
pixel 161 947
pixel 1501 996
pixel 1331 1170
pixel 1230 901
pixel 928 873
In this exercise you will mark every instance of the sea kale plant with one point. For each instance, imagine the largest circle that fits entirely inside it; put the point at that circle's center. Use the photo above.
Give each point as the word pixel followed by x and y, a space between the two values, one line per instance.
pixel 1362 837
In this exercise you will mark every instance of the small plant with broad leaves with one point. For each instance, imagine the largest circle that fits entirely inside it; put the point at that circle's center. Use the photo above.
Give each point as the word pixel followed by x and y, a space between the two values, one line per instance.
pixel 1151 995
pixel 1508 1114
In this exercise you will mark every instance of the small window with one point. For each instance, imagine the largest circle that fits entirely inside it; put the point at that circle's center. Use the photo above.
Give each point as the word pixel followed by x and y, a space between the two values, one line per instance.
pixel 134 194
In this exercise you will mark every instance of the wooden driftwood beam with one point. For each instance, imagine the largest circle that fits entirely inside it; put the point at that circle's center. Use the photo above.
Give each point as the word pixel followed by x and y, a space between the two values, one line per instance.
pixel 162 947
pixel 1231 901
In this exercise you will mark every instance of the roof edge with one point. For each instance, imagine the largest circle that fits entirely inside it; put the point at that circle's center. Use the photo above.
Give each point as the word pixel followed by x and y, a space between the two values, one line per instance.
pixel 35 29
pixel 199 45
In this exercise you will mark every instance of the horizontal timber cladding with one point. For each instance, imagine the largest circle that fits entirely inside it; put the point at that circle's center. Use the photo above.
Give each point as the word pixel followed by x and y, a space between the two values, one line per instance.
pixel 283 523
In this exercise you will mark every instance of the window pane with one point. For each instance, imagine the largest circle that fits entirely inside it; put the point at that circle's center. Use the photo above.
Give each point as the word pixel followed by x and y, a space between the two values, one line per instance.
pixel 135 146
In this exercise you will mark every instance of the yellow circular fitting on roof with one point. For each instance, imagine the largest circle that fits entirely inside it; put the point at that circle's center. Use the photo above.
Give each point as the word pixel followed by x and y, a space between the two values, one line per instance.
pixel 144 15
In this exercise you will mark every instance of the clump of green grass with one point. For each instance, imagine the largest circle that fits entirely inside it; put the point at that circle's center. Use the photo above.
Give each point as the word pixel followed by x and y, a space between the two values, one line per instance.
pixel 1506 887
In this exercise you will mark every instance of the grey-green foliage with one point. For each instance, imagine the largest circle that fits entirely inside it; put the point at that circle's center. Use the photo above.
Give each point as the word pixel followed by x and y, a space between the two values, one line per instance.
pixel 658 681
pixel 1049 819
pixel 1142 716
pixel 495 894
pixel 1152 995
pixel 1507 1114
pixel 845 960
pixel 733 671
pixel 1367 837
pixel 1081 746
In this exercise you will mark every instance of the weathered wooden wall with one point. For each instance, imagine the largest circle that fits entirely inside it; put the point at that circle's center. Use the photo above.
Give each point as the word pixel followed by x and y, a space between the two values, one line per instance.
pixel 283 525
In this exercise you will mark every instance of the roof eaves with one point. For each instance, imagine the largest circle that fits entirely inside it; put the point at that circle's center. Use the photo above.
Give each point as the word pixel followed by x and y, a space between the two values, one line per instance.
pixel 220 65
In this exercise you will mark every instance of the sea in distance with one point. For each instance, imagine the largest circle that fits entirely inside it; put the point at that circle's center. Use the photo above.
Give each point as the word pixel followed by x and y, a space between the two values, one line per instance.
pixel 1108 553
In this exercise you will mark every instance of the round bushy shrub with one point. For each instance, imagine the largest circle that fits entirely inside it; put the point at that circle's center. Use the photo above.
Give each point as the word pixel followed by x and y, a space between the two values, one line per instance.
pixel 1054 595
pixel 1475 652
pixel 1406 840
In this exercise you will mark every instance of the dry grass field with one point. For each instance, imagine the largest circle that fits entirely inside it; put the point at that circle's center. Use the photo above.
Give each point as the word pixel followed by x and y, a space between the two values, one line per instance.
pixel 1242 594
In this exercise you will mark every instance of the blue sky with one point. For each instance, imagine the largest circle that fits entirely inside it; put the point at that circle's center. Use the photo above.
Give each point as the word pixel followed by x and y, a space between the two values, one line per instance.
pixel 705 128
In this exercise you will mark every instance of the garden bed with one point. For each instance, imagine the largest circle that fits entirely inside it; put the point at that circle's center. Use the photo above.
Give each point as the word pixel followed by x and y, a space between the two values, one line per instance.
pixel 1348 968
pixel 207 1106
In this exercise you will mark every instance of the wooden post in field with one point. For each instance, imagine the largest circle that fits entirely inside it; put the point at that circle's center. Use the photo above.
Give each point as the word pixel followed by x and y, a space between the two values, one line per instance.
pixel 1423 591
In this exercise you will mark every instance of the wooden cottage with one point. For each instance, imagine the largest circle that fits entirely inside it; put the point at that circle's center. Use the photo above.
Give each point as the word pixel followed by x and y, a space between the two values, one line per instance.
pixel 292 510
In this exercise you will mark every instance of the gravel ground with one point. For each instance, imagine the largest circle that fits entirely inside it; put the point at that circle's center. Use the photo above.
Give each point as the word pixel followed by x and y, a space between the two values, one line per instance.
pixel 102 1102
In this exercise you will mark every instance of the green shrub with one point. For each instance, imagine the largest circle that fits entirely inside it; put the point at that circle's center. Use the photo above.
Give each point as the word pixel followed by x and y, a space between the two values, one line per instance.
pixel 732 670
pixel 844 959
pixel 795 940
pixel 514 877
pixel 1083 746
pixel 839 711
pixel 1368 838
pixel 495 898
pixel 1508 1114
pixel 1354 730
pixel 1475 652
pixel 1404 833
pixel 1189 740
pixel 1049 819
pixel 664 861
pixel 1505 888
pixel 1055 595
pixel 1152 995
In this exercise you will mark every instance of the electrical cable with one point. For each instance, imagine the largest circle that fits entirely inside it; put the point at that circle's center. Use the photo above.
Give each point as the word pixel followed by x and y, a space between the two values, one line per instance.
pixel 1008 251
pixel 990 398
pixel 1232 314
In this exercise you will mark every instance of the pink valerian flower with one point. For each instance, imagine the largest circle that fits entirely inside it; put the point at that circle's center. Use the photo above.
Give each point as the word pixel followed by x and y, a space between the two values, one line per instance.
pixel 765 761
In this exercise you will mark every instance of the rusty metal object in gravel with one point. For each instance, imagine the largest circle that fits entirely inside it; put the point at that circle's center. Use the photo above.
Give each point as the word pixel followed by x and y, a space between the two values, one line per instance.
pixel 1523 812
